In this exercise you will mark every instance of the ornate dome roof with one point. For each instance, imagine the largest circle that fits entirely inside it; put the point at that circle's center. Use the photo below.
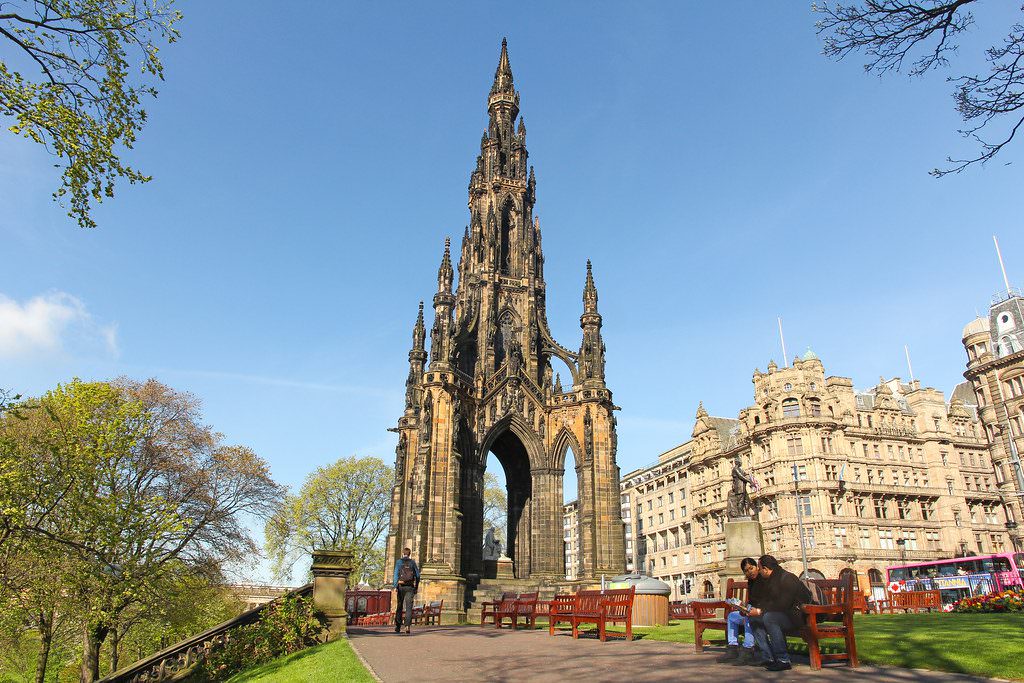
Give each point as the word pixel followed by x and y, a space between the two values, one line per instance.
pixel 976 326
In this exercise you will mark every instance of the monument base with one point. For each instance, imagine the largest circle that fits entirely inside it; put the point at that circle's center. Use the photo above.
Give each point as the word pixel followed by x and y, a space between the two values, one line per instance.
pixel 439 584
pixel 505 570
pixel 742 539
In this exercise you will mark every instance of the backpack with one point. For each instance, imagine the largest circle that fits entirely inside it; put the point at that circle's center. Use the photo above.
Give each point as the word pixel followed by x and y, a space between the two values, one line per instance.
pixel 406 573
pixel 819 597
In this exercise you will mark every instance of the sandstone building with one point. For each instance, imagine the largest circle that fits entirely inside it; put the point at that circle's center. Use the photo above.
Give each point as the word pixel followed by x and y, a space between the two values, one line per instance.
pixel 995 376
pixel 895 472
pixel 489 387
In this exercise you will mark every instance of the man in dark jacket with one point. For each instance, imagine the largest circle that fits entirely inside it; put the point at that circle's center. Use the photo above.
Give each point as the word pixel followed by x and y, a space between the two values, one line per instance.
pixel 407 582
pixel 781 597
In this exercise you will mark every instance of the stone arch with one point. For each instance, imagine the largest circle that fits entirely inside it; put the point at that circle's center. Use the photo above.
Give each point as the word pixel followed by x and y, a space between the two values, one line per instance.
pixel 515 423
pixel 564 441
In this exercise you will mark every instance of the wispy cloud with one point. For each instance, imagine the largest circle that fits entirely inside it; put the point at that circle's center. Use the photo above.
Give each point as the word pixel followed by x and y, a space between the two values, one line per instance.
pixel 376 392
pixel 51 323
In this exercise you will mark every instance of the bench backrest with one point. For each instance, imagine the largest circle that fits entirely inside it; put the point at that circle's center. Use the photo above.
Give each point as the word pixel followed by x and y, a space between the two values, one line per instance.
pixel 562 604
pixel 836 592
pixel 507 602
pixel 736 589
pixel 618 602
pixel 915 599
pixel 526 603
pixel 588 601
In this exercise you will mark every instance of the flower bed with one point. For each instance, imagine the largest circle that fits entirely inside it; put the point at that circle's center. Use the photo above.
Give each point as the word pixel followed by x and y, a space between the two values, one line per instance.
pixel 1011 600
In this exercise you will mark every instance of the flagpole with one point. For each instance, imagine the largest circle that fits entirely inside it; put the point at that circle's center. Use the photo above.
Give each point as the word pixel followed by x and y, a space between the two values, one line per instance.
pixel 785 360
pixel 999 255
pixel 909 366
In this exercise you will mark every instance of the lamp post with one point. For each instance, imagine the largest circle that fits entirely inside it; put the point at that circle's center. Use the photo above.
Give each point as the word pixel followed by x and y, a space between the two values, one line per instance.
pixel 799 519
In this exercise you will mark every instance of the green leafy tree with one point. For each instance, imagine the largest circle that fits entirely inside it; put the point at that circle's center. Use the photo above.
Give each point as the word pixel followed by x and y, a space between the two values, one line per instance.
pixel 921 35
pixel 341 506
pixel 495 505
pixel 145 497
pixel 73 75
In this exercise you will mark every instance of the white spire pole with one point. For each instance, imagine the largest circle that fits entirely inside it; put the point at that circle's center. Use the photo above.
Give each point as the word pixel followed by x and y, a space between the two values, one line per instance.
pixel 999 254
pixel 909 366
pixel 785 361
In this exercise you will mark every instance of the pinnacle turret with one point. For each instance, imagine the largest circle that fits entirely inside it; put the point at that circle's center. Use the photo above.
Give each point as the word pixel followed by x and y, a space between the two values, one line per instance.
pixel 419 332
pixel 444 273
pixel 503 74
pixel 589 292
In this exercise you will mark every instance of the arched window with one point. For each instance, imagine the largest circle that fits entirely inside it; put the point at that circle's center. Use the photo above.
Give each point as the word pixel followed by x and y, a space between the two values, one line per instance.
pixel 875 577
pixel 790 408
pixel 757 419
pixel 814 574
pixel 815 407
pixel 709 590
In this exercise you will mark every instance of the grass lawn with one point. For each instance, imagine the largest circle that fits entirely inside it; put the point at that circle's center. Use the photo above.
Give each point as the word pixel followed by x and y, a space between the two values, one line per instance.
pixel 329 662
pixel 978 644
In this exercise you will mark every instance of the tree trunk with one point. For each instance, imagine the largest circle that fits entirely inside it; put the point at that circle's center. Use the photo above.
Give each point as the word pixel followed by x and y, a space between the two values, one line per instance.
pixel 45 639
pixel 115 642
pixel 91 643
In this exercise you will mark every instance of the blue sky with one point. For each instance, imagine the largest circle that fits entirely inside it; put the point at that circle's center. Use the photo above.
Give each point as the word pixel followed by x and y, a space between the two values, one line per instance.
pixel 308 164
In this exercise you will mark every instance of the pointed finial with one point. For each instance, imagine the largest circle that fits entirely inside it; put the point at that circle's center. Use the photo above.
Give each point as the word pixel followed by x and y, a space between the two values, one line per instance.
pixel 522 127
pixel 503 74
pixel 444 273
pixel 418 331
pixel 700 410
pixel 589 291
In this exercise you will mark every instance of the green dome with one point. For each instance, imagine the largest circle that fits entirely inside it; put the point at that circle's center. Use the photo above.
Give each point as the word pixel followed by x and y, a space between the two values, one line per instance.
pixel 810 355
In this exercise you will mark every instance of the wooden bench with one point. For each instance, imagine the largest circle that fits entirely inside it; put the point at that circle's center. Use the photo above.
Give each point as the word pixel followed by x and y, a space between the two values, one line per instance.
pixel 680 611
pixel 911 601
pixel 429 614
pixel 523 607
pixel 487 608
pixel 860 602
pixel 594 607
pixel 838 596
pixel 704 612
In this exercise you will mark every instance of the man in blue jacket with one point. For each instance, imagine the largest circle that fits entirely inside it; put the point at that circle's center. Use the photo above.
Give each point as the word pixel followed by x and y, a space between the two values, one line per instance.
pixel 407 582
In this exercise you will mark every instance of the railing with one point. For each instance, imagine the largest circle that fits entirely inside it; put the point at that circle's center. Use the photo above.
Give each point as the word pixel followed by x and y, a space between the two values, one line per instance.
pixel 1005 295
pixel 180 656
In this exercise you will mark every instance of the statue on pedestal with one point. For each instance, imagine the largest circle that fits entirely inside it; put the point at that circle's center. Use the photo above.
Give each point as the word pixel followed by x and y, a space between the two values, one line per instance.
pixel 492 546
pixel 739 506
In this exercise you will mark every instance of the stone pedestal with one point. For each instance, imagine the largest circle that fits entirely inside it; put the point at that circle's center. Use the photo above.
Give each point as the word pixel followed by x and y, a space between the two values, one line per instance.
pixel 330 580
pixel 504 569
pixel 742 539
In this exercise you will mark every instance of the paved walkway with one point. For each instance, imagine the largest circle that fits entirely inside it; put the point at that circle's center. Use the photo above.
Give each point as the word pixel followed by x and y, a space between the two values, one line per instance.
pixel 471 653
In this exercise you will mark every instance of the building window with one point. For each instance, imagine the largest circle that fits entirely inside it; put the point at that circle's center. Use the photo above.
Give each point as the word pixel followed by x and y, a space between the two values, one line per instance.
pixel 880 508
pixel 836 504
pixel 858 506
pixel 801 472
pixel 790 408
pixel 809 538
pixel 865 538
pixel 885 540
pixel 794 444
pixel 815 407
pixel 933 539
pixel 927 509
pixel 805 505
pixel 831 472
pixel 775 538
pixel 840 536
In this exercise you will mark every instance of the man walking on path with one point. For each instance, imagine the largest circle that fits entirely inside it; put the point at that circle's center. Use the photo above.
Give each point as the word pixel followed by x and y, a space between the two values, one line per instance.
pixel 781 597
pixel 407 582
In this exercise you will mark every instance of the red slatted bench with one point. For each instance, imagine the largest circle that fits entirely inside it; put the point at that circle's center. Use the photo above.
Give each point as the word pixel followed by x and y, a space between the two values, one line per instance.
pixel 522 607
pixel 487 609
pixel 594 607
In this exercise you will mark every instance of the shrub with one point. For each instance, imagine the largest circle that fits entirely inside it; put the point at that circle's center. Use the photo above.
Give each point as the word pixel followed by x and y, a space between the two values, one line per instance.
pixel 1011 600
pixel 286 626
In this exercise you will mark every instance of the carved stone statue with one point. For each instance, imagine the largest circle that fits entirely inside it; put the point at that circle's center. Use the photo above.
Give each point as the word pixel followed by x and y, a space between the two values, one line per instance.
pixel 739 506
pixel 492 546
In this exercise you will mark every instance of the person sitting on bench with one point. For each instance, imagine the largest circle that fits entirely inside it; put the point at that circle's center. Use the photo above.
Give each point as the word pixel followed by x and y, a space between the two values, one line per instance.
pixel 733 653
pixel 781 597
